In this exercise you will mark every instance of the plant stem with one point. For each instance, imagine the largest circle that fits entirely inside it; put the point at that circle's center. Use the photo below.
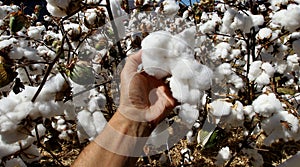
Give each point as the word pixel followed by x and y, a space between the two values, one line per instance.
pixel 114 27
pixel 49 69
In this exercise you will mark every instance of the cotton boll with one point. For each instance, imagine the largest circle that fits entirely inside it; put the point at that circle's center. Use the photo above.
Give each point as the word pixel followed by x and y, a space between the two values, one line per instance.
pixel 170 8
pixel 223 155
pixel 82 99
pixel 267 104
pixel 264 33
pixel 217 109
pixel 254 70
pixel 223 70
pixel 194 96
pixel 263 79
pixel 257 20
pixel 152 64
pixel 7 149
pixel 268 69
pixel 15 162
pixel 289 18
pixel 189 137
pixel 56 12
pixel 183 69
pixel 85 120
pixel 23 52
pixel 222 50
pixel 236 80
pixel 282 125
pixel 188 114
pixel 248 110
pixel 236 117
pixel 293 62
pixel 99 121
pixel 35 32
pixel 7 42
pixel 202 77
pixel 188 36
pixel 179 89
pixel 158 39
pixel 59 3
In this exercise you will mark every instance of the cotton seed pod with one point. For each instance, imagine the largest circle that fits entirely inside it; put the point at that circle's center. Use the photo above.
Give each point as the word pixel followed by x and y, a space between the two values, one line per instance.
pixel 75 33
pixel 17 21
pixel 82 73
pixel 97 21
pixel 7 75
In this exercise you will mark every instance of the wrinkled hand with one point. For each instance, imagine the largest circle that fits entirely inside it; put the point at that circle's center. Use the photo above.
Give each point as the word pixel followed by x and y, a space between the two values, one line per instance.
pixel 143 97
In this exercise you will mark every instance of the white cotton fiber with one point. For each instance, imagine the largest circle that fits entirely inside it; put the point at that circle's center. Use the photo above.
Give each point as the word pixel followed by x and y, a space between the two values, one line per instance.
pixel 223 155
pixel 99 121
pixel 188 113
pixel 267 104
pixel 167 55
pixel 85 120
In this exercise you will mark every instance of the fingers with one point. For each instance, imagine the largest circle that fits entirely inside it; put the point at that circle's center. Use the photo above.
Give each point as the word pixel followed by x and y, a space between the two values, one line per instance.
pixel 132 63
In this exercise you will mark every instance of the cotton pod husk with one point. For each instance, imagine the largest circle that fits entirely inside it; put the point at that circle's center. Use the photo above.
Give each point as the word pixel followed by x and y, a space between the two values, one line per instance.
pixel 7 74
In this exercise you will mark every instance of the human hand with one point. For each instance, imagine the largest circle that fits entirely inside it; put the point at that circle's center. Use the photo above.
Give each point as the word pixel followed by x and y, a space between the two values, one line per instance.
pixel 143 97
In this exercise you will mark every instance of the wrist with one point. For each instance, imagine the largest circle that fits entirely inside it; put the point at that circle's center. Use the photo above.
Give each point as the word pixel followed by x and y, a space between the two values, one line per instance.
pixel 122 122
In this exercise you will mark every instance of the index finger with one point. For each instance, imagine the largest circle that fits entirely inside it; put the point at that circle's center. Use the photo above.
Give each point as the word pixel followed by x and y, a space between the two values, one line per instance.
pixel 132 63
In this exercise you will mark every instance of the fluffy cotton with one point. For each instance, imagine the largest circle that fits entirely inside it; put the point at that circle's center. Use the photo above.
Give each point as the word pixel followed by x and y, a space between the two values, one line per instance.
pixel 189 114
pixel 35 32
pixel 223 155
pixel 281 125
pixel 267 104
pixel 170 8
pixel 217 109
pixel 288 18
pixel 261 72
pixel 90 124
pixel 166 55
pixel 17 107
